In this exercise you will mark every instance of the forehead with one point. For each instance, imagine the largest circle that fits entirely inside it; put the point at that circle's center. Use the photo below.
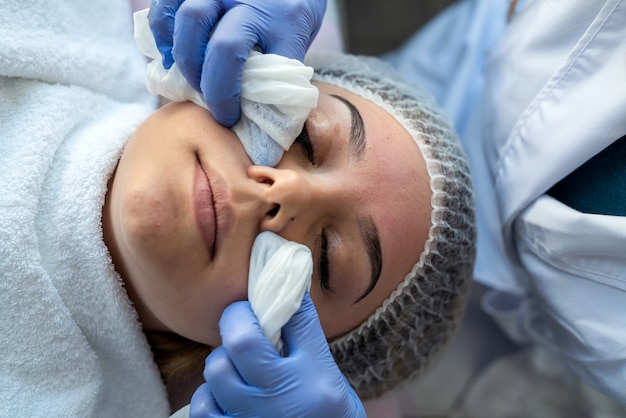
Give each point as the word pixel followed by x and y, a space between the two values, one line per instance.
pixel 394 188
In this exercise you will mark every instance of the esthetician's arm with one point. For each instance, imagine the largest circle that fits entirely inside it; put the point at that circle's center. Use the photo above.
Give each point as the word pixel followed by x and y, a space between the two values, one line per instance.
pixel 214 66
pixel 247 377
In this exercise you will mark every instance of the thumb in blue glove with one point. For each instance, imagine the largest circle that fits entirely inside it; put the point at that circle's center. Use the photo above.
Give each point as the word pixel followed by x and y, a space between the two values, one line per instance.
pixel 211 55
pixel 247 377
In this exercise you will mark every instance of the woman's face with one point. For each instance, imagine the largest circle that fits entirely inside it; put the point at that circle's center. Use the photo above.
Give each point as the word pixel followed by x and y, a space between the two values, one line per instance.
pixel 186 204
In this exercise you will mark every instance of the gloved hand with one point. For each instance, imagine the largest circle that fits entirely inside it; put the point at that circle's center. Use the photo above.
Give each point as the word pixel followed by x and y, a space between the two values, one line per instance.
pixel 246 377
pixel 214 66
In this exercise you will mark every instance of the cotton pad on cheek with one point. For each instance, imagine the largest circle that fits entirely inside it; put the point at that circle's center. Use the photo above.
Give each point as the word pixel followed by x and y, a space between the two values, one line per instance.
pixel 280 273
pixel 276 99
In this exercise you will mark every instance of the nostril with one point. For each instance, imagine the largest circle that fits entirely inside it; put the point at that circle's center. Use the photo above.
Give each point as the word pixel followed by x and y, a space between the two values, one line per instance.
pixel 274 211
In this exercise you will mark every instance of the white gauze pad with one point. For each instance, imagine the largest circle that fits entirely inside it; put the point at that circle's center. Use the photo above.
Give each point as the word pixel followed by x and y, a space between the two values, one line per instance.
pixel 280 273
pixel 276 95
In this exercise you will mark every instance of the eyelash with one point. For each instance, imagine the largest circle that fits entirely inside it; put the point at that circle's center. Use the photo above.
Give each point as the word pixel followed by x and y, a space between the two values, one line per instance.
pixel 324 273
pixel 305 142
pixel 307 146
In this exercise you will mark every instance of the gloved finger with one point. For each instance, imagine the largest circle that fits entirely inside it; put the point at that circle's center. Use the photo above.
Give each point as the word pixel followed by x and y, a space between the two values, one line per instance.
pixel 255 358
pixel 292 41
pixel 228 390
pixel 304 330
pixel 194 22
pixel 203 404
pixel 161 17
pixel 352 401
pixel 226 54
pixel 294 47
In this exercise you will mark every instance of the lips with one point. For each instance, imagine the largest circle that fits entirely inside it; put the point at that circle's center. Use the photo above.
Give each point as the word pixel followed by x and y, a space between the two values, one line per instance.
pixel 204 208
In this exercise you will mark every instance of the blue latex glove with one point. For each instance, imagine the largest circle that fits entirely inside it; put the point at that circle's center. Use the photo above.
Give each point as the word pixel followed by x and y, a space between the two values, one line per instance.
pixel 214 65
pixel 246 377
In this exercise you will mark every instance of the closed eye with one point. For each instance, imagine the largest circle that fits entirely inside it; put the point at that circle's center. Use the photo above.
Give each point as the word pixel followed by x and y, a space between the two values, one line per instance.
pixel 324 266
pixel 306 145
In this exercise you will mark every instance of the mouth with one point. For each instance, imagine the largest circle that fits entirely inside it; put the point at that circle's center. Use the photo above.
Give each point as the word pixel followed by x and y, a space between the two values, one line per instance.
pixel 204 208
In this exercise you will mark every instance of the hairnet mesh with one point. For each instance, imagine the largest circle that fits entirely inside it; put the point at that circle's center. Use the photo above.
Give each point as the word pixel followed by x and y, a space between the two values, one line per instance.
pixel 396 342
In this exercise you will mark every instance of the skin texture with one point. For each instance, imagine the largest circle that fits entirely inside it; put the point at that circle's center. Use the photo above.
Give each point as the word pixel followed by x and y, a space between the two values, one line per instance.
pixel 181 280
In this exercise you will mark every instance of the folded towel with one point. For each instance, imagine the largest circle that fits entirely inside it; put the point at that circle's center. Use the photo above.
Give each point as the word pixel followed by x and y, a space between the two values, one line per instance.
pixel 276 96
pixel 71 93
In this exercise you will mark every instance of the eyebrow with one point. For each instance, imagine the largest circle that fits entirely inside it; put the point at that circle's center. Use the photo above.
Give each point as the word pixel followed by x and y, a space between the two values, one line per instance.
pixel 371 241
pixel 357 128
pixel 369 232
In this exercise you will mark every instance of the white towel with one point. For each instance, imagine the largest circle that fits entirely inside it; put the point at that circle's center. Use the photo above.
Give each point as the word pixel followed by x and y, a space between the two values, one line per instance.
pixel 71 92
pixel 276 96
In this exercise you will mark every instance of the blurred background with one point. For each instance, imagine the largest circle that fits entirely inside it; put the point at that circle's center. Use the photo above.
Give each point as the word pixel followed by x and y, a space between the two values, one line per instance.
pixel 373 26
pixel 482 373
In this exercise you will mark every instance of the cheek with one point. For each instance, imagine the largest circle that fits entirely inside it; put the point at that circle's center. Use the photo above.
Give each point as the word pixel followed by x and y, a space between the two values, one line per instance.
pixel 196 305
pixel 153 217
pixel 336 318
pixel 150 213
pixel 152 196
pixel 324 312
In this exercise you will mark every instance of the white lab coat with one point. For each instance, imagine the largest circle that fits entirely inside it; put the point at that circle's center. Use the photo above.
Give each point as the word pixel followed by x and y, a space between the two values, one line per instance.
pixel 533 100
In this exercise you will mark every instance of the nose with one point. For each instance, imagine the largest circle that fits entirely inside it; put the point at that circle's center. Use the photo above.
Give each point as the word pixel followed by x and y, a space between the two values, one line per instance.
pixel 287 195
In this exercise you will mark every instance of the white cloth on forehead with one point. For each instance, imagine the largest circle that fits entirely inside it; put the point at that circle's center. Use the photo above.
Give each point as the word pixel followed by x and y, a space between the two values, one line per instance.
pixel 276 96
